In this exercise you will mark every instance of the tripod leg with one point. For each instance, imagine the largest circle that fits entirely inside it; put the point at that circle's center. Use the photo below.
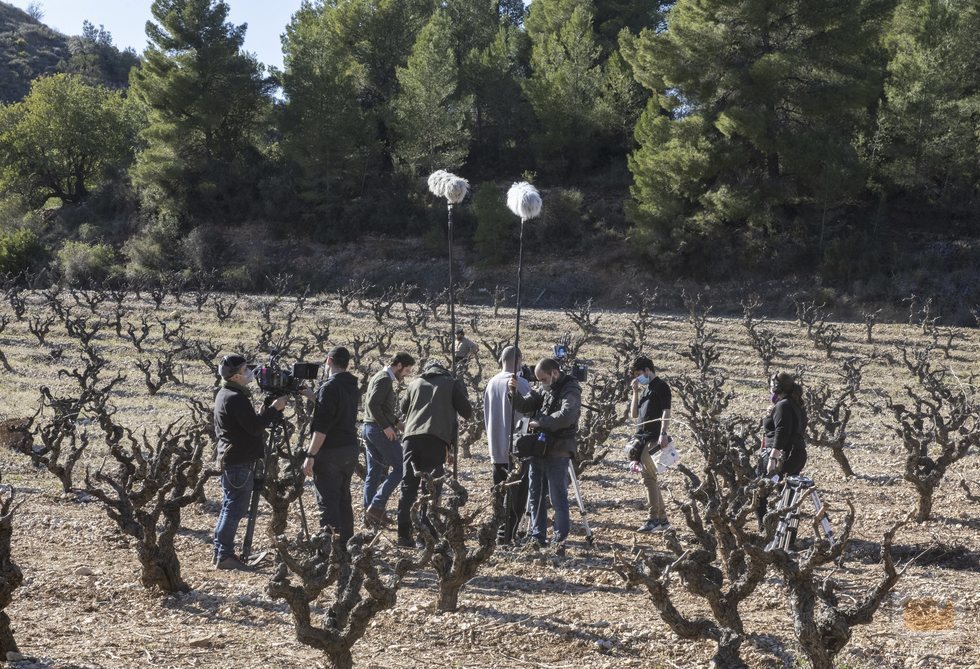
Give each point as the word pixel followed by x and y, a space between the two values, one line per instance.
pixel 785 501
pixel 820 516
pixel 581 505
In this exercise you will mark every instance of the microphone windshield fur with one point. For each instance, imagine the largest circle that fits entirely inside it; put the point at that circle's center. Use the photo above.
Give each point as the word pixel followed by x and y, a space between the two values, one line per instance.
pixel 448 185
pixel 524 200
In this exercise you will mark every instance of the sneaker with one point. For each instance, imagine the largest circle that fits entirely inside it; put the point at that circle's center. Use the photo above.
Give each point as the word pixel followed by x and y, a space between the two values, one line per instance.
pixel 232 562
pixel 405 542
pixel 654 526
pixel 560 549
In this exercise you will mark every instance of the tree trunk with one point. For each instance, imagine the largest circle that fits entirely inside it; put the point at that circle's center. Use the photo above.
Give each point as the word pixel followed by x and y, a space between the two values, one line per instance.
pixel 7 643
pixel 841 458
pixel 341 659
pixel 448 597
pixel 924 510
pixel 161 570
pixel 726 653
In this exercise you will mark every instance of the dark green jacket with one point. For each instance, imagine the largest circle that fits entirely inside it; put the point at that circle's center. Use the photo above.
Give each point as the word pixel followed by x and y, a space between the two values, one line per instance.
pixel 432 402
pixel 379 403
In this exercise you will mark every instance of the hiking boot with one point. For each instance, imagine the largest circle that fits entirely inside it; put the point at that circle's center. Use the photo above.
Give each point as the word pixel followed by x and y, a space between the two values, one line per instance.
pixel 232 562
pixel 405 542
pixel 374 518
pixel 662 526
pixel 560 549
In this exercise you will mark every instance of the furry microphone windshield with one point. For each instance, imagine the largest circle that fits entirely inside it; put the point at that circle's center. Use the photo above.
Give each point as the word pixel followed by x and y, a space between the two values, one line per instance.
pixel 524 200
pixel 448 185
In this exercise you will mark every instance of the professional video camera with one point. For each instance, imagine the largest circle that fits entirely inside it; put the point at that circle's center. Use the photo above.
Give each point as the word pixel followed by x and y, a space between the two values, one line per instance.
pixel 276 381
pixel 577 370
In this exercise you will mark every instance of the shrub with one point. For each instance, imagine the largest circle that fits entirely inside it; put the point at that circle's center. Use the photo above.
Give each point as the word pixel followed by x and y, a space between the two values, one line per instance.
pixel 18 250
pixel 151 251
pixel 83 262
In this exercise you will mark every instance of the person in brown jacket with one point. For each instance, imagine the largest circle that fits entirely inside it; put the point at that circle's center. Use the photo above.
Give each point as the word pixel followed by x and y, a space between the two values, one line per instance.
pixel 430 405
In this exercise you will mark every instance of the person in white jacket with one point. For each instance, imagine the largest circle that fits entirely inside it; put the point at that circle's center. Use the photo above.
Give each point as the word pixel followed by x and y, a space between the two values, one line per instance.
pixel 499 423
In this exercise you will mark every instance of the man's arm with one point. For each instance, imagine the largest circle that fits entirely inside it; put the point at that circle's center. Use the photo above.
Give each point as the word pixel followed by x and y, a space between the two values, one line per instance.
pixel 527 404
pixel 250 421
pixel 325 410
pixel 316 441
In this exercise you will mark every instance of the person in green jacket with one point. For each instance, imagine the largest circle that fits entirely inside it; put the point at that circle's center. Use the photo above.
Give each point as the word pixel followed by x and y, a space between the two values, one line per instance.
pixel 430 405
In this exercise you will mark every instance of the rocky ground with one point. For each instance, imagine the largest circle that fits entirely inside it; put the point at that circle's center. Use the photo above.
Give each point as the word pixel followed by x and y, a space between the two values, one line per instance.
pixel 81 604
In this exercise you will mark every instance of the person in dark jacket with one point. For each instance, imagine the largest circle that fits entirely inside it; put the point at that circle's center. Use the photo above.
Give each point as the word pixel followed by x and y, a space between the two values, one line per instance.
pixel 650 406
pixel 784 446
pixel 430 405
pixel 240 432
pixel 334 449
pixel 381 429
pixel 555 412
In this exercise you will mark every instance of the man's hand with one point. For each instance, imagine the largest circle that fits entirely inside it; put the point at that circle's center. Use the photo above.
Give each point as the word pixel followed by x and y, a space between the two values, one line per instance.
pixel 512 383
pixel 390 433
pixel 401 426
pixel 775 462
pixel 279 404
pixel 534 425
pixel 664 439
pixel 449 457
pixel 308 465
pixel 635 385
pixel 307 392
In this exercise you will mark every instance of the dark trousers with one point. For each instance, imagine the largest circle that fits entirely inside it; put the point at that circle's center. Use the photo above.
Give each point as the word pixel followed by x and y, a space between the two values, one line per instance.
pixel 515 501
pixel 423 453
pixel 332 473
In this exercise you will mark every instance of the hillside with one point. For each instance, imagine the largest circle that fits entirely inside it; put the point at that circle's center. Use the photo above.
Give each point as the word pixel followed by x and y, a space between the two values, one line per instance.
pixel 28 49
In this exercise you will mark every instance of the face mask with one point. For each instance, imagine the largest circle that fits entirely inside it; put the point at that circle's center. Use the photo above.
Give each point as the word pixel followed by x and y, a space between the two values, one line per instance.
pixel 774 398
pixel 643 380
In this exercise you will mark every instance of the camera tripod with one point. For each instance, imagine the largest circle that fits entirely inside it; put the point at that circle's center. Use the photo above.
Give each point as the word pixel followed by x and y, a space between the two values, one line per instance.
pixel 262 470
pixel 794 487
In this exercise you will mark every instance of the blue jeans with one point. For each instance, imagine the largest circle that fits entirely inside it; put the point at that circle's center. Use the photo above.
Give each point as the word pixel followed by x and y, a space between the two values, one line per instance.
pixel 237 482
pixel 553 472
pixel 382 455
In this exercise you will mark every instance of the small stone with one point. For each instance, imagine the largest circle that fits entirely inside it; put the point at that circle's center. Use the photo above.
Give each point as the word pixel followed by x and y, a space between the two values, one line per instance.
pixel 202 642
pixel 84 571
pixel 604 645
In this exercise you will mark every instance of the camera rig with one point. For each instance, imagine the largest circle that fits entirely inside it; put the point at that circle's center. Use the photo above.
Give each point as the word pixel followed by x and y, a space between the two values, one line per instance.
pixel 574 368
pixel 276 381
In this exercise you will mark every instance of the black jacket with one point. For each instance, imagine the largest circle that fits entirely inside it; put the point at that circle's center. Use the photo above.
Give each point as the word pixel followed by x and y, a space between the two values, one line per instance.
pixel 651 405
pixel 557 411
pixel 785 427
pixel 240 431
pixel 335 413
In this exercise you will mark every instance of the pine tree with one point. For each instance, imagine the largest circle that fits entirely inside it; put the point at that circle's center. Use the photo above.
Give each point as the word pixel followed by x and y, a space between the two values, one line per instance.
pixel 565 84
pixel 205 99
pixel 326 132
pixel 429 116
pixel 757 106
pixel 928 127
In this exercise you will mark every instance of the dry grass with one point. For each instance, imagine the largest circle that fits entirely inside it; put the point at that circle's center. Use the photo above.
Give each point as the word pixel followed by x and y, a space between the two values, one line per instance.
pixel 81 602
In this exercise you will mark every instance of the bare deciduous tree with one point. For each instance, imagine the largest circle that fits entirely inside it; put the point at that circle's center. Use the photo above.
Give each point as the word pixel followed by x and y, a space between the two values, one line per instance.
pixel 938 424
pixel 445 534
pixel 11 576
pixel 361 592
pixel 155 478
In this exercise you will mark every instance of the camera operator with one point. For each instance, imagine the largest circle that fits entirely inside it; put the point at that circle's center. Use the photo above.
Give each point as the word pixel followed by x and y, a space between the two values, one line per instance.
pixel 650 407
pixel 430 406
pixel 239 430
pixel 497 410
pixel 381 429
pixel 555 412
pixel 783 447
pixel 334 449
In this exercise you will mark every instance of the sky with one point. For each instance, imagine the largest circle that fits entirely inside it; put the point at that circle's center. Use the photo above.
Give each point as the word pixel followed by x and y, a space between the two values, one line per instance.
pixel 126 20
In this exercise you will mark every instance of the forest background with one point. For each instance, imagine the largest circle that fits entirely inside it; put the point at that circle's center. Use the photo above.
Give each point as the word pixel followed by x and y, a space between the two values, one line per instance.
pixel 828 147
